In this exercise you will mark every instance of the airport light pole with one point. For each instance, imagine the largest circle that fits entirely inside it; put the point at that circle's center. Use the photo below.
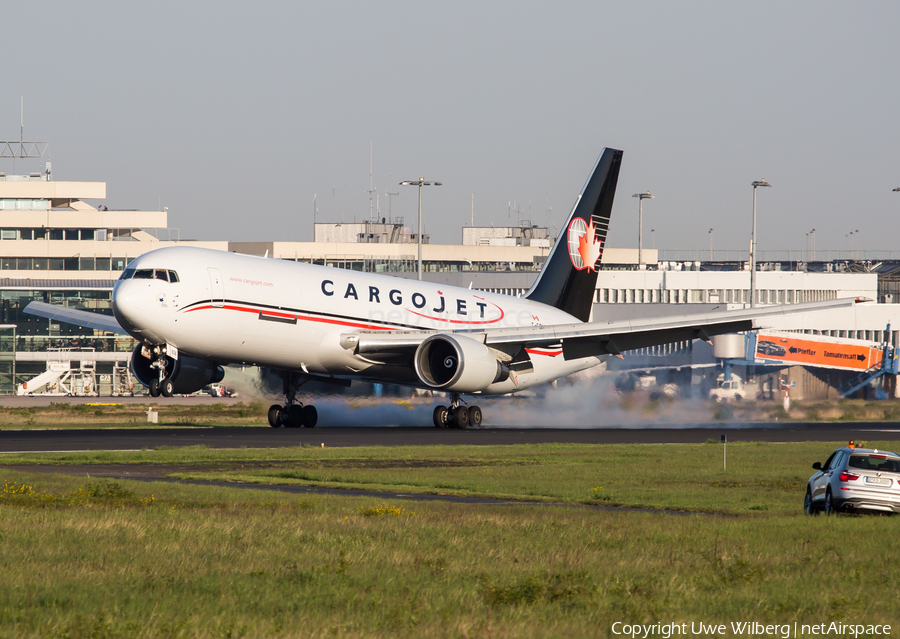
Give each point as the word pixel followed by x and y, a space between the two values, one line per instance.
pixel 420 183
pixel 756 184
pixel 641 197
pixel 710 244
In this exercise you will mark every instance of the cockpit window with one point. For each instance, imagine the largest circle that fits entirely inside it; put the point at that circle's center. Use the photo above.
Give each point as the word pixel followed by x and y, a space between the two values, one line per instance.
pixel 150 274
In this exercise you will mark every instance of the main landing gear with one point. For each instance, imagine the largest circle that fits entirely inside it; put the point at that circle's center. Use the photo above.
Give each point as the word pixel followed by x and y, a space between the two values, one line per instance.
pixel 456 415
pixel 162 384
pixel 292 414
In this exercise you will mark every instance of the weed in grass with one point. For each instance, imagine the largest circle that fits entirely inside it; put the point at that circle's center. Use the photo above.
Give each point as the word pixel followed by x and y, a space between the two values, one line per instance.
pixel 598 494
pixel 103 492
pixel 15 493
pixel 384 510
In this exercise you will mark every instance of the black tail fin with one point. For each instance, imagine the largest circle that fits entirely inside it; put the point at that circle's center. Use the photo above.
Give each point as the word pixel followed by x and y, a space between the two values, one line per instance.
pixel 569 276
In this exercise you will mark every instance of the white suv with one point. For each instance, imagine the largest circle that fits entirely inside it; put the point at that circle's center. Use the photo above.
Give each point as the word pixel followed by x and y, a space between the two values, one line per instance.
pixel 855 479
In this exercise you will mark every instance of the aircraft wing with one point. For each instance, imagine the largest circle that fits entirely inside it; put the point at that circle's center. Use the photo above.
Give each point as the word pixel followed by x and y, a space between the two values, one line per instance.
pixel 609 338
pixel 74 316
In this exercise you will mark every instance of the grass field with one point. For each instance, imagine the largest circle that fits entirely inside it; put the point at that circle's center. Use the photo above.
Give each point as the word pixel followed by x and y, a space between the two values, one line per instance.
pixel 99 558
pixel 760 477
pixel 108 414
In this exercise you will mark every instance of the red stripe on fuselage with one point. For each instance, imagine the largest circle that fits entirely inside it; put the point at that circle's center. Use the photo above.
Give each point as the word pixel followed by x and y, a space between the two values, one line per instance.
pixel 450 321
pixel 305 318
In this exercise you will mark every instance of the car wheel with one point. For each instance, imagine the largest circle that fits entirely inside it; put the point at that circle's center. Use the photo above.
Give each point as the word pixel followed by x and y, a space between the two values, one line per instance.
pixel 808 507
pixel 829 503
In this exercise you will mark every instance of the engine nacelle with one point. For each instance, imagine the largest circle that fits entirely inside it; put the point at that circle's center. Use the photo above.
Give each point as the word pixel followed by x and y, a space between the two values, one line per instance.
pixel 457 363
pixel 189 374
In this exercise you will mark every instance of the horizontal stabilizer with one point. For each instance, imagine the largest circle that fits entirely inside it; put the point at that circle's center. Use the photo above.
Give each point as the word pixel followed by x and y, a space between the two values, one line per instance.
pixel 74 316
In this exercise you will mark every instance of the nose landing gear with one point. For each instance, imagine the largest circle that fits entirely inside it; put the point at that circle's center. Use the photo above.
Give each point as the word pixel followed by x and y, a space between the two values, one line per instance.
pixel 162 384
pixel 457 415
pixel 293 414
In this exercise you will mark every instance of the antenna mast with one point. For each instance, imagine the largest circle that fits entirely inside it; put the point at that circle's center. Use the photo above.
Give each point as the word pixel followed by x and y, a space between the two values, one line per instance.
pixel 371 188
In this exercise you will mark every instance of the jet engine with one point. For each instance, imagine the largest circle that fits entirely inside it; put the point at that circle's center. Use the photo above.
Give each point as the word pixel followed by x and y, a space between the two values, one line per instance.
pixel 188 374
pixel 456 363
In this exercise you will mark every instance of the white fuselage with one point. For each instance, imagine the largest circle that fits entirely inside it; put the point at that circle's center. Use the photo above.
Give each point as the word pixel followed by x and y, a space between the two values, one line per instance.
pixel 231 308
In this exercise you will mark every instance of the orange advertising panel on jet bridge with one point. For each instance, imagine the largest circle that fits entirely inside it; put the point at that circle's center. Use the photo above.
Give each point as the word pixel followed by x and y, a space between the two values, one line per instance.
pixel 812 351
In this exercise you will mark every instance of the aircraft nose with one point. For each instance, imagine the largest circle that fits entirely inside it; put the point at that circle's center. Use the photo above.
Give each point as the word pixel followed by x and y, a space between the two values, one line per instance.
pixel 128 305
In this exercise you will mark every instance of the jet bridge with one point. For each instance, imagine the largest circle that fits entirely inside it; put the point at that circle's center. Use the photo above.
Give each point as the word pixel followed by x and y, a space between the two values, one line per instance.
pixel 775 350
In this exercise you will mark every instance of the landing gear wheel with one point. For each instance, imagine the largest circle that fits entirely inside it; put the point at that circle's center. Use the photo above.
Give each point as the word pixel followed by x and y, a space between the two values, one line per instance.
pixel 154 387
pixel 461 417
pixel 275 416
pixel 294 417
pixel 310 416
pixel 167 387
pixel 475 416
pixel 440 417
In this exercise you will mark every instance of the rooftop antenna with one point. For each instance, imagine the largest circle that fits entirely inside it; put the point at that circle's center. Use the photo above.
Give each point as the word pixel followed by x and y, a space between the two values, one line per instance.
pixel 390 198
pixel 371 188
pixel 332 202
pixel 549 209
pixel 10 150
pixel 473 210
pixel 21 129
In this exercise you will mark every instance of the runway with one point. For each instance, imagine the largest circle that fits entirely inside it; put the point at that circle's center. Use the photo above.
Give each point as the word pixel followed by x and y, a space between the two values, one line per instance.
pixel 261 437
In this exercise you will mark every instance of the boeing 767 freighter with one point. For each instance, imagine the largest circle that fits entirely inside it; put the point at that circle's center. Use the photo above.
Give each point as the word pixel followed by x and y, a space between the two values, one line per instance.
pixel 195 310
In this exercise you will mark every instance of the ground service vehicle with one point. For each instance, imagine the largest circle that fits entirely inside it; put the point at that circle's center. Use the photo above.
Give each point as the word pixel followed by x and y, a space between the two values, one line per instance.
pixel 730 390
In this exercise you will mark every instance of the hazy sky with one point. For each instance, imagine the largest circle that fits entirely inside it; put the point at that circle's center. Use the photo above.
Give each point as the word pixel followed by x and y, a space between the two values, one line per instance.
pixel 234 114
